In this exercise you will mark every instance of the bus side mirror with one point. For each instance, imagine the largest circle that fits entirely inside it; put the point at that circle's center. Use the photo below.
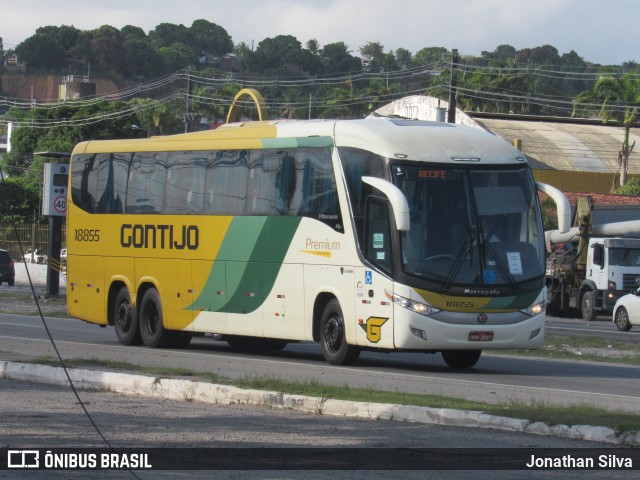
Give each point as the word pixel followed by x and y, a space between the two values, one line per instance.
pixel 396 198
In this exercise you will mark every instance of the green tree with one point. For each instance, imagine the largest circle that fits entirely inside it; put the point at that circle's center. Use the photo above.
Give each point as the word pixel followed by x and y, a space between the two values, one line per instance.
pixel 373 56
pixel 107 49
pixel 631 188
pixel 432 56
pixel 141 59
pixel 272 53
pixel 403 58
pixel 177 56
pixel 209 37
pixel 336 58
pixel 19 201
pixel 615 98
pixel 167 34
pixel 41 52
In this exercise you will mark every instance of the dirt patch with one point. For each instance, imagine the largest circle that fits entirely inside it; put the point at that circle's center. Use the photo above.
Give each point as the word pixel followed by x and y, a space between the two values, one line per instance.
pixel 24 303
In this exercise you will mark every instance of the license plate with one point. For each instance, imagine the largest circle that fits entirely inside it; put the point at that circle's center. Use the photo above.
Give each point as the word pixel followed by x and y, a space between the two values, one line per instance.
pixel 480 336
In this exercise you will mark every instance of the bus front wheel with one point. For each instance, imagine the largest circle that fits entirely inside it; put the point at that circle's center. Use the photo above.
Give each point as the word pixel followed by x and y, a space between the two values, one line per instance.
pixel 125 320
pixel 461 358
pixel 333 342
pixel 152 330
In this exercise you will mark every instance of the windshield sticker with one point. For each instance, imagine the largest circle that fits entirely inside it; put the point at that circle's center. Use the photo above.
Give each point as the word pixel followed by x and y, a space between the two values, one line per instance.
pixel 515 264
pixel 489 276
pixel 378 240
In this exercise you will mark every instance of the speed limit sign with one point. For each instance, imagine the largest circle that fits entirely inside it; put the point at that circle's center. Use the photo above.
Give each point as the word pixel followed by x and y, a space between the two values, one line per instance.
pixel 60 204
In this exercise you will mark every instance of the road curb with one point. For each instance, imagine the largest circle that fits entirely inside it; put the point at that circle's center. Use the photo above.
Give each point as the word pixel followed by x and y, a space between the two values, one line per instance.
pixel 189 390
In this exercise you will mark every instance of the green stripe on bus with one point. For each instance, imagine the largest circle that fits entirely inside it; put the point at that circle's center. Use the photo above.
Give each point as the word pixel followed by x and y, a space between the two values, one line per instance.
pixel 247 265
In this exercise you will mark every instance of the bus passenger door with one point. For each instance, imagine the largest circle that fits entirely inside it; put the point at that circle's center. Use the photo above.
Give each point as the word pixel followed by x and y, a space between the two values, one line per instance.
pixel 373 308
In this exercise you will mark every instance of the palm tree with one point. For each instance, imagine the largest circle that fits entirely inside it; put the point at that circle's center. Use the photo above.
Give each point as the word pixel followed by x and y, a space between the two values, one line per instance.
pixel 615 98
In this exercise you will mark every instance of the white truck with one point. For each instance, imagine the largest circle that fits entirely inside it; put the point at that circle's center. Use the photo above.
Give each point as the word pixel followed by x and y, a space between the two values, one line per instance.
pixel 591 266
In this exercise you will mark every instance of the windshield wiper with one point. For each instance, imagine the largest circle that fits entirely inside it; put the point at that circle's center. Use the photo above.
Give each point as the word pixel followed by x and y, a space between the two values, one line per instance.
pixel 466 246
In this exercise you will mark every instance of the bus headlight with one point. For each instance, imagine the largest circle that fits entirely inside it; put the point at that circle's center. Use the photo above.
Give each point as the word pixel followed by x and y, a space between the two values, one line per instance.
pixel 417 307
pixel 535 309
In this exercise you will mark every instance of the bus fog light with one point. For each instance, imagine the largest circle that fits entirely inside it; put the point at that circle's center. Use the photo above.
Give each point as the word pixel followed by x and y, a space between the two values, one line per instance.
pixel 419 333
pixel 534 333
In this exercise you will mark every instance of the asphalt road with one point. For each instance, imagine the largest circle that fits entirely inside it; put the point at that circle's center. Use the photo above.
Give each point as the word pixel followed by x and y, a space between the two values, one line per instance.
pixel 496 378
pixel 602 327
pixel 46 415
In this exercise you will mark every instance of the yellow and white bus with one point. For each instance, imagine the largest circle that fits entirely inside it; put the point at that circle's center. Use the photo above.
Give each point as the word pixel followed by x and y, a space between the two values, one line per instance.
pixel 385 234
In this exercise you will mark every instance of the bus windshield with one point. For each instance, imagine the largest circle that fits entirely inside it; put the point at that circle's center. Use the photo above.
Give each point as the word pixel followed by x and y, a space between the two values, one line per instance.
pixel 471 227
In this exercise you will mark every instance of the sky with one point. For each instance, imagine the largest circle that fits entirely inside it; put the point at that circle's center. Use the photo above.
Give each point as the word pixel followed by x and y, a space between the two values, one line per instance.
pixel 604 32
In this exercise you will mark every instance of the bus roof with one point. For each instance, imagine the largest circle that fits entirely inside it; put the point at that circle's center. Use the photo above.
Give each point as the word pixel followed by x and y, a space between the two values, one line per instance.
pixel 391 138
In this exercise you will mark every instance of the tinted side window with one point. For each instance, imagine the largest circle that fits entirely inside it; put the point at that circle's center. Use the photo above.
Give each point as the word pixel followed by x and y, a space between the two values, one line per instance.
pixel 111 182
pixel 185 188
pixel 357 163
pixel 147 176
pixel 84 176
pixel 226 182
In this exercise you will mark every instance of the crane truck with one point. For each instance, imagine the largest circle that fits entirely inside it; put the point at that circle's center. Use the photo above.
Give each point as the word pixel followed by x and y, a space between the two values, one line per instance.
pixel 590 266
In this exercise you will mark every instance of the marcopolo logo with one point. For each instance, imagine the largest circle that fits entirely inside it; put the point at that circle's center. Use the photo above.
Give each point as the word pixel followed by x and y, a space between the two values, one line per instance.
pixel 168 237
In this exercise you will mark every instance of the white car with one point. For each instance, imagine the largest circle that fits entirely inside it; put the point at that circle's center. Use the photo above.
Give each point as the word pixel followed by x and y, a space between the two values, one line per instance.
pixel 626 311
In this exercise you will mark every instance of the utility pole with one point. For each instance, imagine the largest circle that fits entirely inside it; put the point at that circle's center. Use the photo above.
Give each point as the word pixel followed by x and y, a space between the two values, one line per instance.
pixel 187 114
pixel 453 83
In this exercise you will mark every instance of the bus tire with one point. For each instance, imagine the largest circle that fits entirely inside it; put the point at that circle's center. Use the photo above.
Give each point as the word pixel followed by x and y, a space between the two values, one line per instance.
pixel 461 358
pixel 333 342
pixel 152 330
pixel 125 320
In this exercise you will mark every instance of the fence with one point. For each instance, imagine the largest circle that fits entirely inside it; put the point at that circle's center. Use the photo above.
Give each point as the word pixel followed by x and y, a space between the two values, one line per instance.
pixel 32 237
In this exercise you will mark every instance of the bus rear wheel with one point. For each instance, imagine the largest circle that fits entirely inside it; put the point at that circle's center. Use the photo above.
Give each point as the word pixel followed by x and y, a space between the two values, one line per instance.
pixel 333 342
pixel 152 330
pixel 461 358
pixel 125 320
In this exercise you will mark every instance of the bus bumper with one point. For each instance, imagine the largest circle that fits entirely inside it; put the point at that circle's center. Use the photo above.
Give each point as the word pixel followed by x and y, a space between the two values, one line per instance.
pixel 463 332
